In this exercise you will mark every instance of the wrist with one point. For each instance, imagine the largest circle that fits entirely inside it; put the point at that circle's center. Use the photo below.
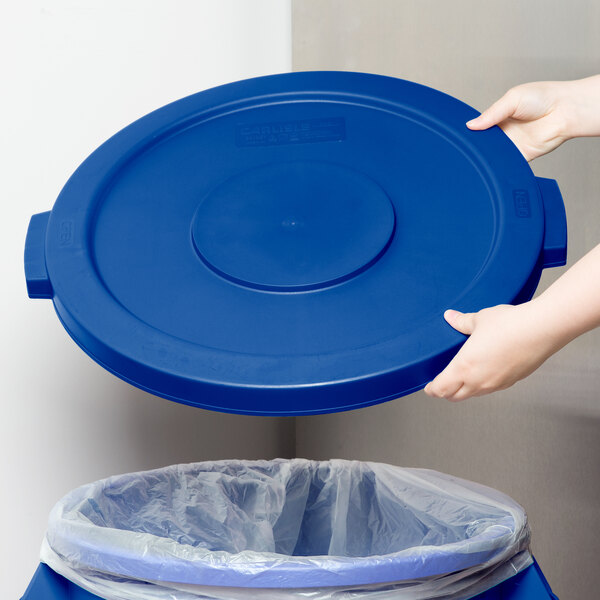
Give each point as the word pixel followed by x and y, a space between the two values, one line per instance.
pixel 580 108
pixel 548 319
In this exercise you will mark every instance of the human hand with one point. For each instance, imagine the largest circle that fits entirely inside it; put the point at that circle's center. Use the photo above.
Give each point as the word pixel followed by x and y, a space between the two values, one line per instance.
pixel 506 344
pixel 540 116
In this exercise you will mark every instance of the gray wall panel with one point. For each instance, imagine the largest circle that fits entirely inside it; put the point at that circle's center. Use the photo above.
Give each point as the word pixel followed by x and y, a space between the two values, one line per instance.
pixel 540 440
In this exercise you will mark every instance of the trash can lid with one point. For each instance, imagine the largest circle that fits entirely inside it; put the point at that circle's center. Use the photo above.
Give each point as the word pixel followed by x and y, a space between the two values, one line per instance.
pixel 287 245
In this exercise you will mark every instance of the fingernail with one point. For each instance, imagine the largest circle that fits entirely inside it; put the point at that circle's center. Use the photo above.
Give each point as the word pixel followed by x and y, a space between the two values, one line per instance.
pixel 450 313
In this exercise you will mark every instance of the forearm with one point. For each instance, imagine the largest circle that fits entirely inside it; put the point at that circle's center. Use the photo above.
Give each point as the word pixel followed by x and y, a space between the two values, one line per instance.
pixel 581 107
pixel 571 305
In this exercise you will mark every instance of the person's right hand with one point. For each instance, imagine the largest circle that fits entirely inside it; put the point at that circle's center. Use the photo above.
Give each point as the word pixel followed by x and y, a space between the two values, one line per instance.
pixel 540 116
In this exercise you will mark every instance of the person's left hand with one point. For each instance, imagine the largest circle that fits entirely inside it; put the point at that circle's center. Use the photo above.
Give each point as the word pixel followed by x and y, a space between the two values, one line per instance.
pixel 506 344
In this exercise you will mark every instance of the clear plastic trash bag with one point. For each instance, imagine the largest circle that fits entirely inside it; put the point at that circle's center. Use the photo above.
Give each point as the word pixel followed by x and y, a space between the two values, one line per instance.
pixel 282 529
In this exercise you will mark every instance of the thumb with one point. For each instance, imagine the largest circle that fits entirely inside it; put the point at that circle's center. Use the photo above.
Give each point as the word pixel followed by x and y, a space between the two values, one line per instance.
pixel 463 322
pixel 499 111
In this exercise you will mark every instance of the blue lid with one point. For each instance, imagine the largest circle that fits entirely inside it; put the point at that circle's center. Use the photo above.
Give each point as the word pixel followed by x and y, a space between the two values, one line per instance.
pixel 287 245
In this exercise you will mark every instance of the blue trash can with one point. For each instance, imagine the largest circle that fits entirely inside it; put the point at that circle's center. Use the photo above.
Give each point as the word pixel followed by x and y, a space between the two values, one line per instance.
pixel 287 529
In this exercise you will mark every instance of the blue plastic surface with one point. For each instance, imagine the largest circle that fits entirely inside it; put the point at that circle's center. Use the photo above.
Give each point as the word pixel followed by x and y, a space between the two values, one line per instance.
pixel 38 283
pixel 287 245
pixel 530 584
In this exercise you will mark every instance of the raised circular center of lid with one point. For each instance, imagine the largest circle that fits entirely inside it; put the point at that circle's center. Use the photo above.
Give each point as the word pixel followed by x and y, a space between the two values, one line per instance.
pixel 293 226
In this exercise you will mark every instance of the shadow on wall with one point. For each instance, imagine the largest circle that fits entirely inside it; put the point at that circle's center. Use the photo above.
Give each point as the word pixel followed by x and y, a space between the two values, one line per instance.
pixel 164 432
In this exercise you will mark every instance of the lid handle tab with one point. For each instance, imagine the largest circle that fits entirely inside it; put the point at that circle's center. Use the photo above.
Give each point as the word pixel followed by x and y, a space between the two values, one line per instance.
pixel 555 225
pixel 36 274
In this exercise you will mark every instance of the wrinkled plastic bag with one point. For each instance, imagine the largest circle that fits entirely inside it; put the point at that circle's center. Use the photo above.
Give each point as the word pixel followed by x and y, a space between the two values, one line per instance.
pixel 283 529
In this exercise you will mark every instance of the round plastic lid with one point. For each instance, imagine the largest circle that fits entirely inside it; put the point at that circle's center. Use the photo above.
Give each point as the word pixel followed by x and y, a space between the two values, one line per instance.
pixel 287 245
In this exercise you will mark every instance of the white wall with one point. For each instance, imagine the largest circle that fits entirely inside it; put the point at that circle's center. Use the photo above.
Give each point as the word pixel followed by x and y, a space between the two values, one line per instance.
pixel 72 73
